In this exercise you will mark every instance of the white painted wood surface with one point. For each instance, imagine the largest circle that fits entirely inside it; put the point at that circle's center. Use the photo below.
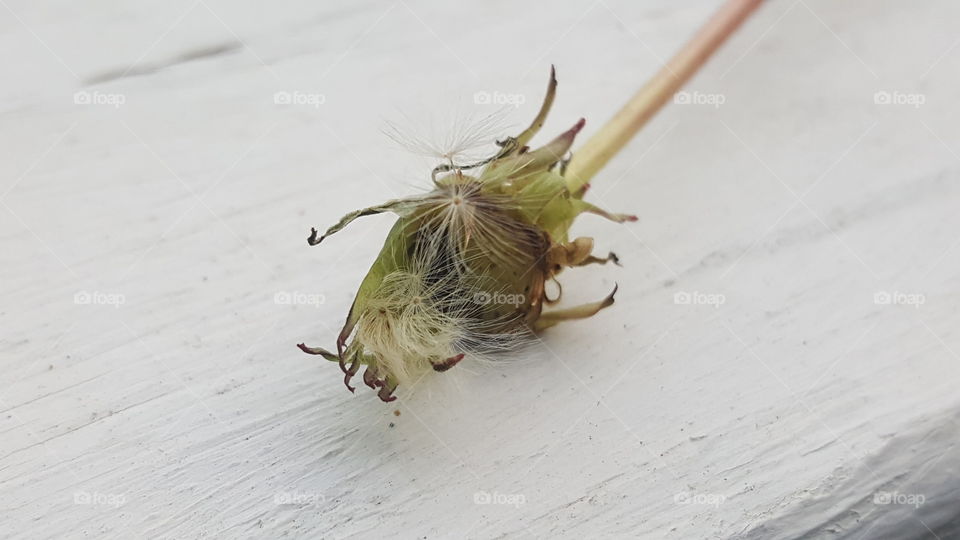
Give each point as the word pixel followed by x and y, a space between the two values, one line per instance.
pixel 173 403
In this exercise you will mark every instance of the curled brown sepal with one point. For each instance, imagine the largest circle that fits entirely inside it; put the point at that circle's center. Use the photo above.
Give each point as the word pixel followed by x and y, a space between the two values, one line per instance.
pixel 448 363
pixel 386 392
pixel 319 351
pixel 395 205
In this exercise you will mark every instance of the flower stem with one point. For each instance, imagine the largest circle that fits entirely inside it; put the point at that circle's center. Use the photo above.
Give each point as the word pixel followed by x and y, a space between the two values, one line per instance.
pixel 651 97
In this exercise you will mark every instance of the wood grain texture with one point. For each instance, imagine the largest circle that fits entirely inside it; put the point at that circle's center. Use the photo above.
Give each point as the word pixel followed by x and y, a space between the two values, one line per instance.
pixel 174 196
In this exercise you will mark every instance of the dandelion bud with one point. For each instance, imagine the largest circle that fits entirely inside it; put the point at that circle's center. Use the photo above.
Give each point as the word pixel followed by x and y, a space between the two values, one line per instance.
pixel 463 270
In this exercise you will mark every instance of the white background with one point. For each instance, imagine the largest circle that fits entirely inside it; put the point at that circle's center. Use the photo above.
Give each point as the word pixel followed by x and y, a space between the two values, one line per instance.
pixel 186 410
